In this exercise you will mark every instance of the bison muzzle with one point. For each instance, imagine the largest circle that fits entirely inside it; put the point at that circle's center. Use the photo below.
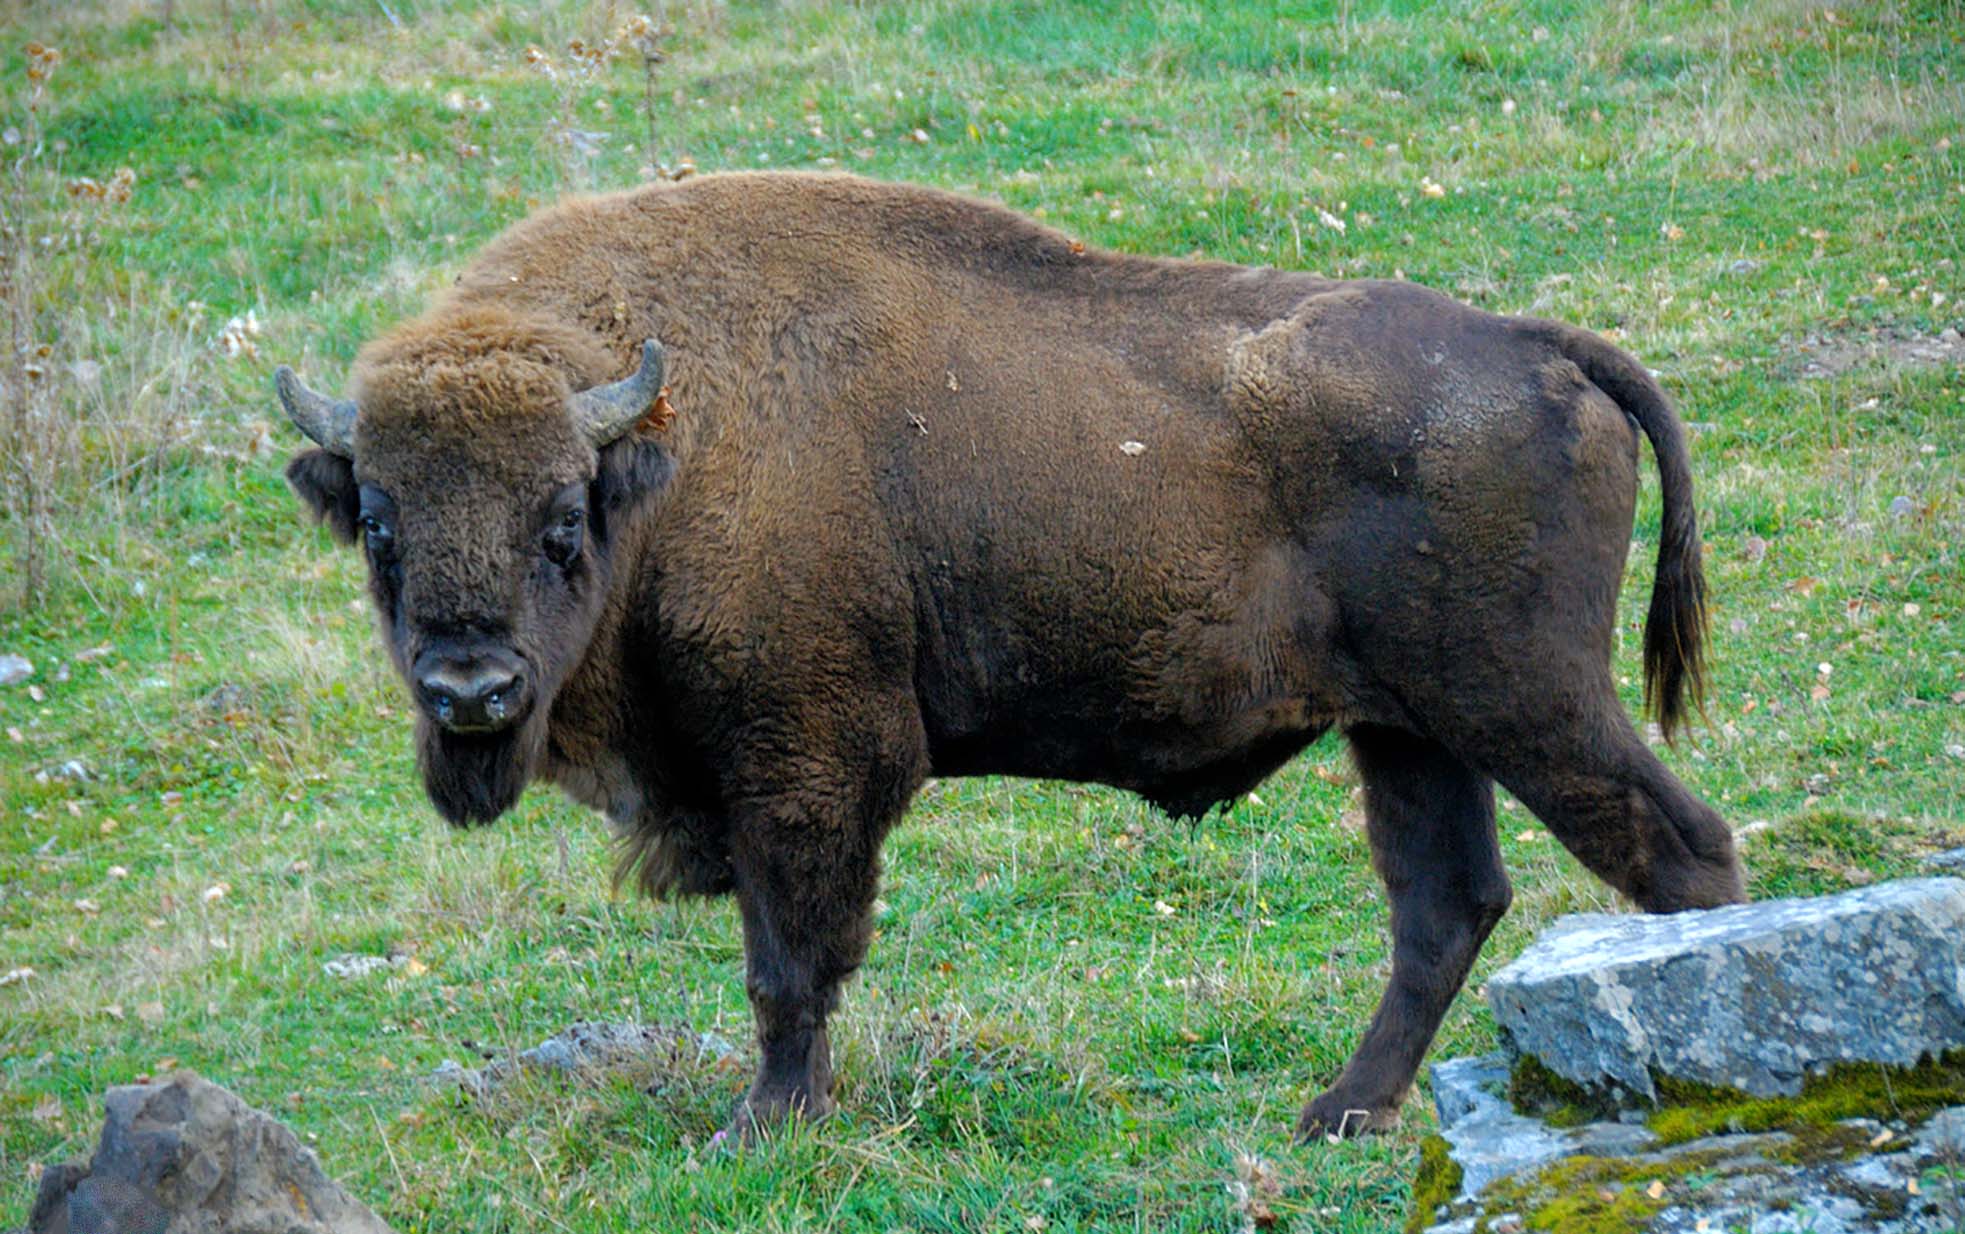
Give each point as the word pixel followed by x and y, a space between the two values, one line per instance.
pixel 944 492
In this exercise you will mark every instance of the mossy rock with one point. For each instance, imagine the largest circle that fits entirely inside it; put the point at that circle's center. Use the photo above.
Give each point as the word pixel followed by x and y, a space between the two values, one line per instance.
pixel 1703 1134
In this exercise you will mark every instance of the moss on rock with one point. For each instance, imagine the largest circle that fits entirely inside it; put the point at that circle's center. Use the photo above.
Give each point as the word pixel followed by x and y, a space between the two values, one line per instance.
pixel 1848 1090
pixel 1833 1120
pixel 1435 1184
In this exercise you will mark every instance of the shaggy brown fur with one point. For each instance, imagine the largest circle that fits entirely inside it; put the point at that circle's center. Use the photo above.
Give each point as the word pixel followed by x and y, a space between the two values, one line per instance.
pixel 946 493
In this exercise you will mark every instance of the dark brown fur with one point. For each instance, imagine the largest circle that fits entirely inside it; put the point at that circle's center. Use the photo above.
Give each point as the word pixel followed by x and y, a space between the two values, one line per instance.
pixel 946 493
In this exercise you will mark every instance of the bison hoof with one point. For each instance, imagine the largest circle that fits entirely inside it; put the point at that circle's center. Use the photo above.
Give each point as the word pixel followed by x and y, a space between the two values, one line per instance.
pixel 1332 1118
pixel 759 1114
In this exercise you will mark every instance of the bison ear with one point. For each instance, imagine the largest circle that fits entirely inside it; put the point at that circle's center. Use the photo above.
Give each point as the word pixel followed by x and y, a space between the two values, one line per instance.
pixel 326 485
pixel 632 469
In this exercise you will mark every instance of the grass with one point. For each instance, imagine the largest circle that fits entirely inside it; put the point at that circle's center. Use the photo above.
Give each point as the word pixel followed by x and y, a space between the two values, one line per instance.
pixel 1732 191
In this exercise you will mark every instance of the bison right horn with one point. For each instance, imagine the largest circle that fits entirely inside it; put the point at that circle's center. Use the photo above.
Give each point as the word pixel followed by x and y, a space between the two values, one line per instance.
pixel 329 421
pixel 608 411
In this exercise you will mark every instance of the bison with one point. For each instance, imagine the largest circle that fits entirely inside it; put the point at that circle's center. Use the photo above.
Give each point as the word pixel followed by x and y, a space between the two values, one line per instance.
pixel 943 492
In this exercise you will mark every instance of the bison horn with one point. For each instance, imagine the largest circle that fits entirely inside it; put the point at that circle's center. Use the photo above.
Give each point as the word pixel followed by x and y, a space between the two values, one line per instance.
pixel 329 421
pixel 608 411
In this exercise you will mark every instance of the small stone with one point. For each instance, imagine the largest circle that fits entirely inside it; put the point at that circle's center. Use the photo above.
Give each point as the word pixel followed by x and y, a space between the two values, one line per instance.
pixel 1949 859
pixel 1744 266
pixel 15 669
pixel 359 965
pixel 1902 507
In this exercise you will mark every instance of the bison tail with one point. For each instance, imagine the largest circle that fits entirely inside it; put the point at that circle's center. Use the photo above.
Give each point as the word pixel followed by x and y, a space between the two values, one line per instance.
pixel 1675 628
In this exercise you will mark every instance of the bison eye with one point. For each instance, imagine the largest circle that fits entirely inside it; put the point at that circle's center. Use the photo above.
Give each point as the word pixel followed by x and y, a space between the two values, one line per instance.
pixel 562 541
pixel 380 537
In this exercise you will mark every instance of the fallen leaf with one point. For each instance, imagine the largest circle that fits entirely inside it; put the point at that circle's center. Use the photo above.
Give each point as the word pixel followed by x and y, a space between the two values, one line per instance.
pixel 1656 1190
pixel 150 1013
pixel 48 1109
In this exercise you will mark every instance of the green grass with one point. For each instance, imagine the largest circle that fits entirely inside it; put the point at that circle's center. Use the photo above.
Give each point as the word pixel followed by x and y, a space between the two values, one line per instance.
pixel 1730 191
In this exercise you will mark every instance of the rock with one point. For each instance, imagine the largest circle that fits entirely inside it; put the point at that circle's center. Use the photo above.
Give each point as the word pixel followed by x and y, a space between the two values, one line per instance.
pixel 1768 1182
pixel 1949 859
pixel 15 669
pixel 1463 1086
pixel 635 1051
pixel 353 965
pixel 1743 266
pixel 1753 997
pixel 184 1156
pixel 1943 1135
pixel 1902 507
pixel 1490 1141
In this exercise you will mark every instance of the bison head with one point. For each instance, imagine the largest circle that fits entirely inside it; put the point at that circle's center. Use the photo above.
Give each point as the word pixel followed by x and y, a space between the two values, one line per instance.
pixel 488 482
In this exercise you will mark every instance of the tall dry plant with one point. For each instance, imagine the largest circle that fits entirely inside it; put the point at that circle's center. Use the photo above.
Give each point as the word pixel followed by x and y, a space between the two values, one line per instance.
pixel 581 66
pixel 27 457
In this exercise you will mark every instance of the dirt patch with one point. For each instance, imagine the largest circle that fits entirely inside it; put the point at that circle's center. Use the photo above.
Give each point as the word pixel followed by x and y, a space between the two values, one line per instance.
pixel 1820 356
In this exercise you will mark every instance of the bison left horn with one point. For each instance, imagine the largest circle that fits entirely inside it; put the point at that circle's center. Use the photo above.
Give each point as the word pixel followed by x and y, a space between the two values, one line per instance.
pixel 329 421
pixel 608 411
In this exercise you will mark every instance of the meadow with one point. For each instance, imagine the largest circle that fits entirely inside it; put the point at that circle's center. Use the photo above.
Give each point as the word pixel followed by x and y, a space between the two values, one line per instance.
pixel 1077 1015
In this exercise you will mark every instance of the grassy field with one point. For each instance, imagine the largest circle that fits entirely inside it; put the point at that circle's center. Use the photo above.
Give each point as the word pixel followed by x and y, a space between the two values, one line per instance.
pixel 1077 1015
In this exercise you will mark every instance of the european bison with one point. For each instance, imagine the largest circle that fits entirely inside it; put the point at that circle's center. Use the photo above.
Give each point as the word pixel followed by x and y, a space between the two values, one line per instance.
pixel 944 492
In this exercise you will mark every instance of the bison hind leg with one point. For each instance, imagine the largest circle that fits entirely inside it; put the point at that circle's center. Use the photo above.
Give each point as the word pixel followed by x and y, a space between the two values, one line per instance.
pixel 1624 814
pixel 1430 819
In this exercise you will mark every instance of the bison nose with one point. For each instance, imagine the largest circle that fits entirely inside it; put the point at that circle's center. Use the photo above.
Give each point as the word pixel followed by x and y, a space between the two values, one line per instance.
pixel 473 698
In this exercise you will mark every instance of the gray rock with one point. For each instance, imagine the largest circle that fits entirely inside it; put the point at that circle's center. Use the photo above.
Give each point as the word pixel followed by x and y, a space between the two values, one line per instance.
pixel 1902 507
pixel 1949 859
pixel 184 1156
pixel 15 669
pixel 1753 997
pixel 1489 1141
pixel 589 1047
pixel 1501 1144
pixel 1464 1086
pixel 1943 1135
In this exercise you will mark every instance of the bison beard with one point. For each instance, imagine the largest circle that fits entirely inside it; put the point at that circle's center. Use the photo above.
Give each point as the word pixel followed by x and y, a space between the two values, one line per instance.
pixel 472 778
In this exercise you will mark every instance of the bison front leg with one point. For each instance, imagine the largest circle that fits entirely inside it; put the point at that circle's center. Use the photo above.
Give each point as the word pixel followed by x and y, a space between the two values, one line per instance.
pixel 1431 824
pixel 805 883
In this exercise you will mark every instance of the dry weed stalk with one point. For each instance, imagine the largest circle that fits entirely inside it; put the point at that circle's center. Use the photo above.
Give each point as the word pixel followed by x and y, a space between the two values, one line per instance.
pixel 582 65
pixel 29 448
